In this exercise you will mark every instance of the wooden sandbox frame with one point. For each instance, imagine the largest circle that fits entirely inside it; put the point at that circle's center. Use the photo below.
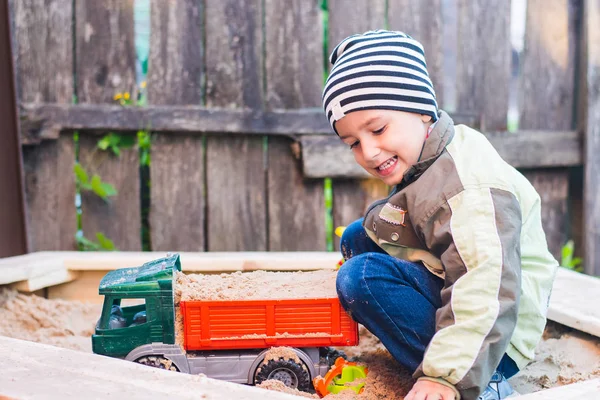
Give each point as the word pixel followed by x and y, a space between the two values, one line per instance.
pixel 76 275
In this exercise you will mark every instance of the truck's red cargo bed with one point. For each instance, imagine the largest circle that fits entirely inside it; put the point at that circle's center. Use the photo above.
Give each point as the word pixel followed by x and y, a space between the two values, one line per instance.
pixel 245 324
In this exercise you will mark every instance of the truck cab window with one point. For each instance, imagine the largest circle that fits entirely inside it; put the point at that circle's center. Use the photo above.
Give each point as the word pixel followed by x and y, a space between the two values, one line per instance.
pixel 127 312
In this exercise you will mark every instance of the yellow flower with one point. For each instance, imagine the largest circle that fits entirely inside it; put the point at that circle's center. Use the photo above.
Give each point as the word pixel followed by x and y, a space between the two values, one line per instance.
pixel 143 84
pixel 118 96
pixel 126 96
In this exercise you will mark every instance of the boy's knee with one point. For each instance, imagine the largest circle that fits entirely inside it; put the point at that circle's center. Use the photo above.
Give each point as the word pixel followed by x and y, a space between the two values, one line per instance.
pixel 351 234
pixel 349 278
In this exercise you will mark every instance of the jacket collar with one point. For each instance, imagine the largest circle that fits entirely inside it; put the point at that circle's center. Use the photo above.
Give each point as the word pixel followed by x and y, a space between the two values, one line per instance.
pixel 439 137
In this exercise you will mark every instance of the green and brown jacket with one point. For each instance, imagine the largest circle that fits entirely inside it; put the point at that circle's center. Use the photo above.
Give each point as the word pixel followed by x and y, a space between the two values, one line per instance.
pixel 474 221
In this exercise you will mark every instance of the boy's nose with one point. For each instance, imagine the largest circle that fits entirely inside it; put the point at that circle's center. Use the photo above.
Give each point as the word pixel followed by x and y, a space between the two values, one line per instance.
pixel 370 151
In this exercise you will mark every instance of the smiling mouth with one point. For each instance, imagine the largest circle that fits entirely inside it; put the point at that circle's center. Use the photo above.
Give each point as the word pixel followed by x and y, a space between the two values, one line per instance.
pixel 387 166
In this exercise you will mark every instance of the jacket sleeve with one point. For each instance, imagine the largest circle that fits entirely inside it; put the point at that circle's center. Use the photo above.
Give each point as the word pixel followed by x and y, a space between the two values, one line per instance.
pixel 476 235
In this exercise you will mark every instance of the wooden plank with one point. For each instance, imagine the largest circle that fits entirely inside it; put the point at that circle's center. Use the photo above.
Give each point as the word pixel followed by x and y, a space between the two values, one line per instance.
pixel 423 21
pixel 296 207
pixel 43 60
pixel 553 188
pixel 351 199
pixel 48 279
pixel 483 60
pixel 47 120
pixel 13 231
pixel 119 217
pixel 54 371
pixel 324 156
pixel 590 121
pixel 43 52
pixel 362 16
pixel 235 170
pixel 105 62
pixel 105 65
pixel 575 391
pixel 572 288
pixel 177 201
pixel 548 77
pixel 50 194
pixel 349 196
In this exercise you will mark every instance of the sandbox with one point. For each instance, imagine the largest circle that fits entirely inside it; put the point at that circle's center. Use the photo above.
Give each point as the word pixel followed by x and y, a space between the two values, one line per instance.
pixel 565 356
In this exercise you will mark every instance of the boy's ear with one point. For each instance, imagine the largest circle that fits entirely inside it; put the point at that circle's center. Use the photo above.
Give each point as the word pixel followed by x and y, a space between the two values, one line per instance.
pixel 426 118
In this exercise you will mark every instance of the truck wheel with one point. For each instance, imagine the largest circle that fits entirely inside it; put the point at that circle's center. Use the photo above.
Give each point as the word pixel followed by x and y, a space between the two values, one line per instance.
pixel 157 362
pixel 328 355
pixel 289 372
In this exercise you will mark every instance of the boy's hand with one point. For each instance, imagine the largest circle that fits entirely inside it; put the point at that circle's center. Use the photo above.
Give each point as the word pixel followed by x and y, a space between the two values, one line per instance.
pixel 429 390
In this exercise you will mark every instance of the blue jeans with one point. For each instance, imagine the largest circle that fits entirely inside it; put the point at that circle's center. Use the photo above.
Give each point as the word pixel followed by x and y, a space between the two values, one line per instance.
pixel 394 299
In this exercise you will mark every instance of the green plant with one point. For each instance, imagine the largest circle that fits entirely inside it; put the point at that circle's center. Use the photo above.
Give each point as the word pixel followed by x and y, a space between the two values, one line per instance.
pixel 103 243
pixel 95 184
pixel 115 143
pixel 568 260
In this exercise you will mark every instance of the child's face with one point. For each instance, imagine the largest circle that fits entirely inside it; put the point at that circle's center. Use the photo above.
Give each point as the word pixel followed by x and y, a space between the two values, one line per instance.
pixel 384 142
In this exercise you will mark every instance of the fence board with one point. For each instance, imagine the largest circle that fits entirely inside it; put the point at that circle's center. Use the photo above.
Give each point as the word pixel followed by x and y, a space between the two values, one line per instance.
pixel 349 196
pixel 177 202
pixel 328 156
pixel 422 19
pixel 44 60
pixel 351 199
pixel 105 64
pixel 546 99
pixel 483 60
pixel 177 207
pixel 362 16
pixel 236 179
pixel 590 120
pixel 294 79
pixel 50 193
pixel 48 119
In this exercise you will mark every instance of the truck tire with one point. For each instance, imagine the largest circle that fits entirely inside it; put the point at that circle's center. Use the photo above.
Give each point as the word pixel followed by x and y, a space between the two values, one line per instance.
pixel 289 372
pixel 157 362
pixel 328 355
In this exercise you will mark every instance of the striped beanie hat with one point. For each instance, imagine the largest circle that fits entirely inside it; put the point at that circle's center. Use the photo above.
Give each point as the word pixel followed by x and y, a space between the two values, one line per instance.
pixel 378 70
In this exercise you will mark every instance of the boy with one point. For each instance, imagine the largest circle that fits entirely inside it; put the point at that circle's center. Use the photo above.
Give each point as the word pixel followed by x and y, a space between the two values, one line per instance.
pixel 452 271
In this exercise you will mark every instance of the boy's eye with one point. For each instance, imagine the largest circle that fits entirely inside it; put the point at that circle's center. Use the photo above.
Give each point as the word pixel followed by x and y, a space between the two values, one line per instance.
pixel 353 145
pixel 380 130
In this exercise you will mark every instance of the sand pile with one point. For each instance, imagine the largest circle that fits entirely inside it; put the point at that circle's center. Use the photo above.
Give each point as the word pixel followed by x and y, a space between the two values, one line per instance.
pixel 564 356
pixel 279 386
pixel 60 323
pixel 258 285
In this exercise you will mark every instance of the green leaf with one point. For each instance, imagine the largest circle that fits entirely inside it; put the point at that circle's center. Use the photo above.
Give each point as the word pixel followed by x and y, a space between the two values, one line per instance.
pixel 80 174
pixel 104 143
pixel 105 243
pixel 97 186
pixel 109 189
pixel 85 244
pixel 567 253
pixel 127 141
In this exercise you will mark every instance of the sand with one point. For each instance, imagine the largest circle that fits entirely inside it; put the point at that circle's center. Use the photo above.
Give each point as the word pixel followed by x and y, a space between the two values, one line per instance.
pixel 564 356
pixel 258 285
pixel 67 324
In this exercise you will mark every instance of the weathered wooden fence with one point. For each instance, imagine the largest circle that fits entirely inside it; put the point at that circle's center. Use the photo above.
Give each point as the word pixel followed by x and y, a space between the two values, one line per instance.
pixel 234 87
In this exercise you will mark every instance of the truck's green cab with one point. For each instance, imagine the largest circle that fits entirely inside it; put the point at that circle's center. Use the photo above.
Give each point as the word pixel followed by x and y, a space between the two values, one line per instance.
pixel 121 328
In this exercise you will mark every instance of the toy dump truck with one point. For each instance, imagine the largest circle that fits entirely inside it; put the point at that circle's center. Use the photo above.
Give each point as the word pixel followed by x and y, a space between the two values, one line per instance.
pixel 222 339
